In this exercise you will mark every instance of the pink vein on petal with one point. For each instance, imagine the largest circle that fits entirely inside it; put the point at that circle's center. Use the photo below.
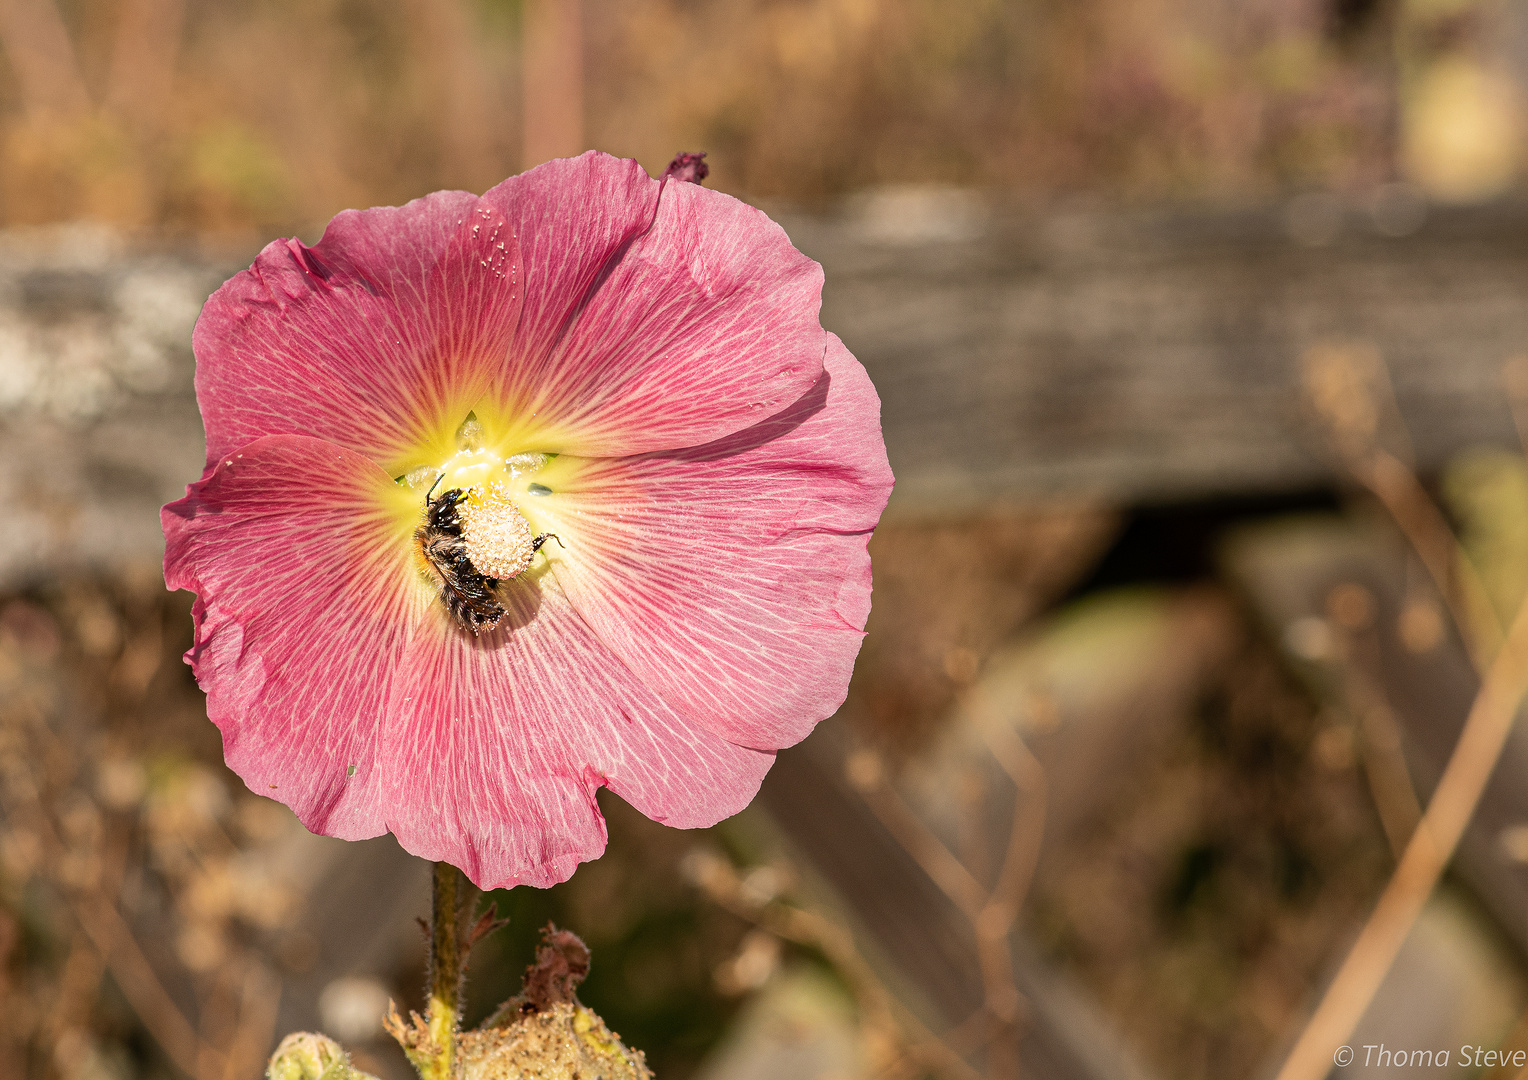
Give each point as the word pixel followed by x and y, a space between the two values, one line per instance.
pixel 733 578
pixel 375 338
pixel 302 613
pixel 497 745
pixel 652 323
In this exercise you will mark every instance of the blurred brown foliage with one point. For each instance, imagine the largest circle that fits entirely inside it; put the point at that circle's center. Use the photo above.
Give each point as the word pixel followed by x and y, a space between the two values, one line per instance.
pixel 139 892
pixel 254 116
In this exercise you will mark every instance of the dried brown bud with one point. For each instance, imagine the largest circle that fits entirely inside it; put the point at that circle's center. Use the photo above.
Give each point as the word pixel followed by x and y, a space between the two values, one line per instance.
pixel 562 962
pixel 688 167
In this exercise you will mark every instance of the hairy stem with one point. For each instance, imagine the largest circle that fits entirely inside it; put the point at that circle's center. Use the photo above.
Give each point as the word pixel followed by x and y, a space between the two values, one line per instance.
pixel 444 1014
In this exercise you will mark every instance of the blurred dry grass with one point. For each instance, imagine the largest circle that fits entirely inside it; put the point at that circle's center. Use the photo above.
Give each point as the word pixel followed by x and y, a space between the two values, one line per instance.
pixel 125 853
pixel 253 116
pixel 1206 889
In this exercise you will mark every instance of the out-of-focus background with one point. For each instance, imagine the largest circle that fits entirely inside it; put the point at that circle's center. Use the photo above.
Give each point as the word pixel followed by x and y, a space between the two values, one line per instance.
pixel 1197 325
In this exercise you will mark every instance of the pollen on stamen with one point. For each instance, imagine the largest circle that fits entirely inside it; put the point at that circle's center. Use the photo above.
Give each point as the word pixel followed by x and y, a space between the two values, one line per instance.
pixel 498 538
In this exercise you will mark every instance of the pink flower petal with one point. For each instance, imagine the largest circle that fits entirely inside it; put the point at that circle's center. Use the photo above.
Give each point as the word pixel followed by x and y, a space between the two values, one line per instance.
pixel 302 614
pixel 651 322
pixel 733 579
pixel 495 747
pixel 380 338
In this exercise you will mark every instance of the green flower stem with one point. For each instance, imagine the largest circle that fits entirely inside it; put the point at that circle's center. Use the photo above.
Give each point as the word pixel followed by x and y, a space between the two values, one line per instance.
pixel 444 1014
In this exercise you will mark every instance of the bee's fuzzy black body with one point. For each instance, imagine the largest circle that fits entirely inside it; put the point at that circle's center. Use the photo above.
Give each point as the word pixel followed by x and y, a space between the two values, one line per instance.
pixel 471 597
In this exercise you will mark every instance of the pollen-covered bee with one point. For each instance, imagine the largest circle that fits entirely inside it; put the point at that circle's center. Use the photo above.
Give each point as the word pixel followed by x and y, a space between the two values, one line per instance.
pixel 470 596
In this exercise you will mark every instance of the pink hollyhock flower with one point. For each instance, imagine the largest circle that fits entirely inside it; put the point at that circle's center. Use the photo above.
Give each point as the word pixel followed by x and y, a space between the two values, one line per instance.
pixel 510 498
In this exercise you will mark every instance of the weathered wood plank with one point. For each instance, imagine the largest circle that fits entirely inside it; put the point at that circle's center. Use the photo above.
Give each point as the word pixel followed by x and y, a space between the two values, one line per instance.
pixel 1155 355
pixel 98 420
pixel 1125 357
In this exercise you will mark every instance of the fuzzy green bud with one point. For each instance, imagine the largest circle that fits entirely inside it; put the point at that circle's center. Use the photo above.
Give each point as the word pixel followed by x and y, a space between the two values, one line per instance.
pixel 304 1055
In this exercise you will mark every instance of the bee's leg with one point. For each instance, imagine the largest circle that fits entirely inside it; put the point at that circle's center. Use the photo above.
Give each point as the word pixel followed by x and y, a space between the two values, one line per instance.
pixel 543 538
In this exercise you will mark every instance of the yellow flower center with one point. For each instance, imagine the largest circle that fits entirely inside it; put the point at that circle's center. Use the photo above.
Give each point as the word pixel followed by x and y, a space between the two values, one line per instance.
pixel 490 496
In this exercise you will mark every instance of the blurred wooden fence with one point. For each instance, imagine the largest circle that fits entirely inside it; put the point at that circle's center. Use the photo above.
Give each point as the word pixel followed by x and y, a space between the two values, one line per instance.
pixel 1142 357
pixel 1121 357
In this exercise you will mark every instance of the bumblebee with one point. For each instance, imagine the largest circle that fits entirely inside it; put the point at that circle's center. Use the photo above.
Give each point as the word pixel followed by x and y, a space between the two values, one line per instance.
pixel 470 596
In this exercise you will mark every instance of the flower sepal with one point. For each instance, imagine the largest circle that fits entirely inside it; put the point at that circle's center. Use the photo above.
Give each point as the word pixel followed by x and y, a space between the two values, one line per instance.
pixel 566 1039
